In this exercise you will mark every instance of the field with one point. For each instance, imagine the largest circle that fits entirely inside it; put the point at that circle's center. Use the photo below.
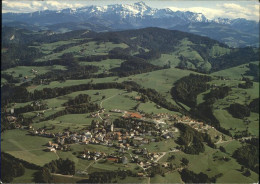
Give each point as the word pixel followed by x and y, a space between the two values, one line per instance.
pixel 23 71
pixel 28 177
pixel 26 147
pixel 105 65
pixel 85 49
pixel 213 166
pixel 234 72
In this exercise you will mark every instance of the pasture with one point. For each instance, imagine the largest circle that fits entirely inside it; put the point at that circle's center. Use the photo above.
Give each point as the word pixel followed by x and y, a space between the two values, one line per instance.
pixel 29 148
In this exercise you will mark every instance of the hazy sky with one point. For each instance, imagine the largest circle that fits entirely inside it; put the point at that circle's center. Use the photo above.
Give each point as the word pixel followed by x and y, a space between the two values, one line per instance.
pixel 211 9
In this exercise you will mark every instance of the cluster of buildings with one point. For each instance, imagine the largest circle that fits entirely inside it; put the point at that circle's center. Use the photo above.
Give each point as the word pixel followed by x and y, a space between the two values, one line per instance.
pixel 199 126
pixel 92 155
pixel 104 133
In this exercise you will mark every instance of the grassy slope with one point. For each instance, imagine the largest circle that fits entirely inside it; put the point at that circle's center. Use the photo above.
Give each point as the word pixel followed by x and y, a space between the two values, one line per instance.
pixel 89 48
pixel 234 72
pixel 27 70
pixel 26 147
pixel 28 177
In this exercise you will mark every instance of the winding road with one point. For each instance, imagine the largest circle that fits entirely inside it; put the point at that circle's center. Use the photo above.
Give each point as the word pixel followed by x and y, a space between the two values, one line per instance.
pixel 101 103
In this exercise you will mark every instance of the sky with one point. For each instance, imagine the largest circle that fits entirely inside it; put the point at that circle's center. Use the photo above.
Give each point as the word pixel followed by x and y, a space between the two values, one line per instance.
pixel 211 9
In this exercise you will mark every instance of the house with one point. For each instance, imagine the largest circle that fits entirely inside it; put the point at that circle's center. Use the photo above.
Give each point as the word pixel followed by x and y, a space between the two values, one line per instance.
pixel 99 137
pixel 51 149
pixel 62 141
pixel 132 115
pixel 55 146
pixel 83 138
pixel 168 135
pixel 165 164
pixel 141 164
pixel 140 174
pixel 88 135
pixel 49 143
pixel 112 159
pixel 11 119
pixel 124 160
pixel 83 156
pixel 138 138
pixel 137 98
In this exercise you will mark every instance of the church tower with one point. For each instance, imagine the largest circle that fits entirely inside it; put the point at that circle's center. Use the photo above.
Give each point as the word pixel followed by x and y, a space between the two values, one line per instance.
pixel 112 127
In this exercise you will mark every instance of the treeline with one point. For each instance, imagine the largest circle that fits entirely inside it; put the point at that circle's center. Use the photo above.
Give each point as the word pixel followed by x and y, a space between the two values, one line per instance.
pixel 60 166
pixel 190 177
pixel 187 88
pixel 79 105
pixel 129 124
pixel 254 105
pixel 11 93
pixel 158 39
pixel 12 167
pixel 82 108
pixel 152 54
pixel 248 83
pixel 235 57
pixel 218 93
pixel 30 108
pixel 20 94
pixel 65 36
pixel 253 71
pixel 81 98
pixel 19 55
pixel 9 78
pixel 248 156
pixel 192 140
pixel 108 177
pixel 134 66
pixel 238 110
pixel 204 111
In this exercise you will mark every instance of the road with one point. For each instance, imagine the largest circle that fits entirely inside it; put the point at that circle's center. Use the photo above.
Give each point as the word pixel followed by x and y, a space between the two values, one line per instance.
pixel 69 176
pixel 91 164
pixel 242 138
pixel 106 99
pixel 163 154
pixel 101 103
pixel 149 180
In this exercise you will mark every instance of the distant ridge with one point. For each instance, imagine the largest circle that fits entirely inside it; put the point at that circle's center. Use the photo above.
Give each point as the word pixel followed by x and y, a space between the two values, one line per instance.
pixel 139 15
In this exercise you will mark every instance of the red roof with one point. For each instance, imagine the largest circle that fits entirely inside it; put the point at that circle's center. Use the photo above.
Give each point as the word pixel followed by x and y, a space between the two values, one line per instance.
pixel 133 115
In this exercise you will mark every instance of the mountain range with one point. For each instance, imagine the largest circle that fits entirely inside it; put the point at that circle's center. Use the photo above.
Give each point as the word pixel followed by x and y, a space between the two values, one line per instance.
pixel 234 32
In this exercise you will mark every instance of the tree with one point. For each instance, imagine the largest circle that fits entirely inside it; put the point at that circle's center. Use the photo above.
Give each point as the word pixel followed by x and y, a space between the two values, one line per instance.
pixel 247 173
pixel 185 161
pixel 221 148
pixel 43 176
pixel 242 168
pixel 239 111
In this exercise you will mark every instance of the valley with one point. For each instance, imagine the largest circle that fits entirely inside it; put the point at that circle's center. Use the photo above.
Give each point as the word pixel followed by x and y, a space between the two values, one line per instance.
pixel 148 105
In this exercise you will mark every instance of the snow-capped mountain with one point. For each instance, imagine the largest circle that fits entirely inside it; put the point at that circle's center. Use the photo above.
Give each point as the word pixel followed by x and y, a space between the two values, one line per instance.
pixel 136 13
pixel 127 16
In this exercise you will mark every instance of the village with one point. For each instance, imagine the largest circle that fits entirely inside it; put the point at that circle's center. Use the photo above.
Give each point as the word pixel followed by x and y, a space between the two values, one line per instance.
pixel 103 131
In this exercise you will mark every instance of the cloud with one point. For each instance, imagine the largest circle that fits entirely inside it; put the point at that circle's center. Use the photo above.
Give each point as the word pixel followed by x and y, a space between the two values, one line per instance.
pixel 32 6
pixel 208 12
pixel 225 10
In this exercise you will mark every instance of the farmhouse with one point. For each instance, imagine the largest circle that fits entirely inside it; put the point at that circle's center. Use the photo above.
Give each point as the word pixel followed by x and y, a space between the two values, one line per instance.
pixel 132 115
pixel 51 149
pixel 11 119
